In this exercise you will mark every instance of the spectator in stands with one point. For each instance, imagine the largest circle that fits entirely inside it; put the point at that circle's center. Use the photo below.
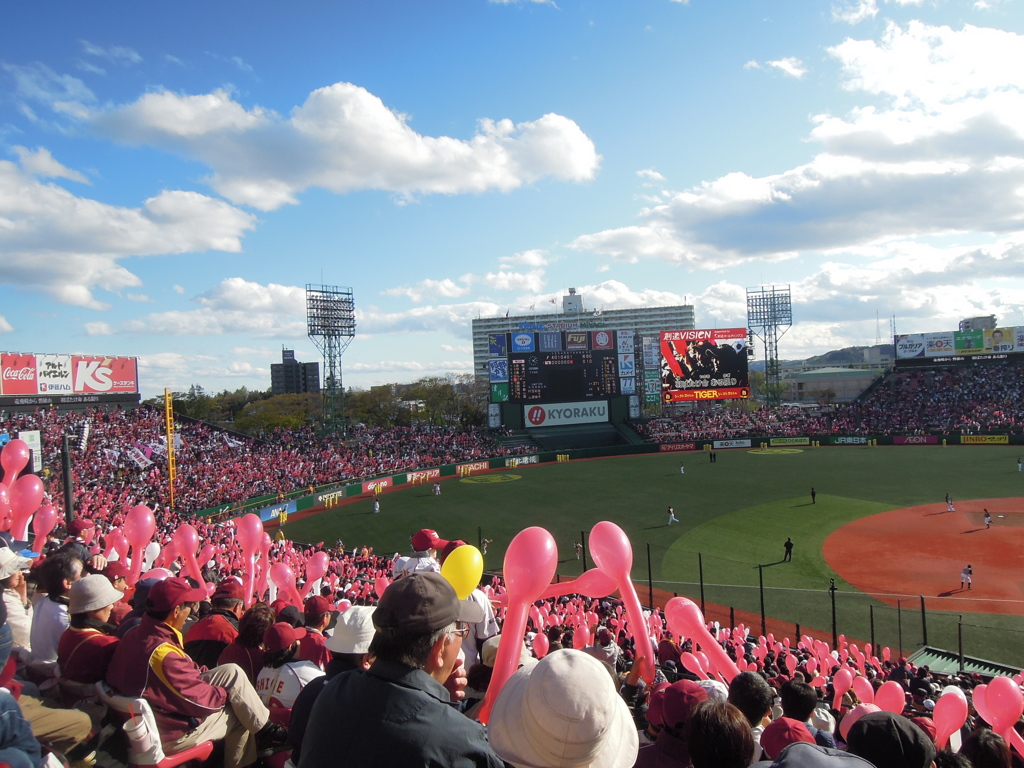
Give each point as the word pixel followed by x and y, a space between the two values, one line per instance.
pixel 191 706
pixel 55 576
pixel 19 608
pixel 209 636
pixel 799 701
pixel 397 713
pixel 283 675
pixel 425 544
pixel 987 749
pixel 317 613
pixel 752 696
pixel 890 741
pixel 782 732
pixel 719 736
pixel 350 649
pixel 562 711
pixel 117 573
pixel 480 631
pixel 88 645
pixel 246 650
pixel 670 711
pixel 19 748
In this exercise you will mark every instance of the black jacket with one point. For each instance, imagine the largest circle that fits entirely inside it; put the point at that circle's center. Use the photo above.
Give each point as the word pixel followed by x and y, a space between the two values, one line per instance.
pixel 392 715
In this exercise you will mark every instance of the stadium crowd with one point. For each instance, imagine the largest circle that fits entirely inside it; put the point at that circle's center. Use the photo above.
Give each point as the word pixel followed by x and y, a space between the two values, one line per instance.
pixel 914 402
pixel 372 660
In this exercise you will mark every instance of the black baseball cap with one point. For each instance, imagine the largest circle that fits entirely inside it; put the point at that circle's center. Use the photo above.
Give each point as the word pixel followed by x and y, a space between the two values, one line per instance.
pixel 421 603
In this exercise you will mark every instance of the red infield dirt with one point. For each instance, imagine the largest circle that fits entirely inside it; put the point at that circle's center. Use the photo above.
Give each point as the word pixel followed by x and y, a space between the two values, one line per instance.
pixel 923 550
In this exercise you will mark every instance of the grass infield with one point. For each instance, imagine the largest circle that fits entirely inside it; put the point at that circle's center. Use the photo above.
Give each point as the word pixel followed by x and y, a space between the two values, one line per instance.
pixel 736 513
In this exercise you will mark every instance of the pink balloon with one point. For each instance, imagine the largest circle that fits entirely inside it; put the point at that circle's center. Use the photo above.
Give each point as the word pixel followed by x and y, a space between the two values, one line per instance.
pixel 1004 703
pixel 541 645
pixel 613 554
pixel 43 522
pixel 13 459
pixel 791 663
pixel 263 563
pixel 380 584
pixel 186 539
pixel 685 620
pixel 891 698
pixel 157 573
pixel 949 715
pixel 978 700
pixel 693 664
pixel 116 542
pixel 538 622
pixel 530 562
pixel 139 526
pixel 841 682
pixel 315 569
pixel 206 554
pixel 818 682
pixel 592 583
pixel 284 579
pixel 812 665
pixel 864 690
pixel 344 605
pixel 26 494
pixel 581 638
pixel 853 716
pixel 248 535
pixel 5 508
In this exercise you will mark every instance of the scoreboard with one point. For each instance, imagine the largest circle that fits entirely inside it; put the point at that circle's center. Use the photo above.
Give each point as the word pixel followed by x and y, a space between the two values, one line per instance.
pixel 560 366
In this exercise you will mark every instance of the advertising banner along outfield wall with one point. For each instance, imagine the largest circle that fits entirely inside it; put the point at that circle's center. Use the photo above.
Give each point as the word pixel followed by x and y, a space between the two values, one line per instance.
pixel 565 414
pixel 704 365
pixel 67 374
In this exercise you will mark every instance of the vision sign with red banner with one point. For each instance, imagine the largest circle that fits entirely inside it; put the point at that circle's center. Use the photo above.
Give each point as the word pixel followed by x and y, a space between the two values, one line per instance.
pixel 704 365
pixel 67 374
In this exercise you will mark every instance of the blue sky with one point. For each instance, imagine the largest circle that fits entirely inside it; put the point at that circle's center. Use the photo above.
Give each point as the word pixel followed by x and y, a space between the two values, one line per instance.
pixel 173 175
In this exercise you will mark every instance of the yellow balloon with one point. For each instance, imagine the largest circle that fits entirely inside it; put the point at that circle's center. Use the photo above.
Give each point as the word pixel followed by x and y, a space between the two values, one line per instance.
pixel 463 569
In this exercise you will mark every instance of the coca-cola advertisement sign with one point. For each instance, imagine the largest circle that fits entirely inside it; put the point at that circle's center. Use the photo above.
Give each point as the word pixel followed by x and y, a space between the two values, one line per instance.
pixel 18 376
pixel 67 374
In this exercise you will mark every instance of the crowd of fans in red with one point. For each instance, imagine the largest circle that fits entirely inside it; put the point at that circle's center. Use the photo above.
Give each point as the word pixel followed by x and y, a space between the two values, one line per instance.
pixel 939 401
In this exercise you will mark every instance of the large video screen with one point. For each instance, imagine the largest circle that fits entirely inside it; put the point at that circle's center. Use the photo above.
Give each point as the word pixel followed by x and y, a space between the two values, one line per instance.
pixel 704 365
pixel 560 366
pixel 959 347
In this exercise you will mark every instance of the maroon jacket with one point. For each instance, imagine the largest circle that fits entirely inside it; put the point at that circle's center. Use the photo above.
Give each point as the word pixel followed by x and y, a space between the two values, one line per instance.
pixel 150 662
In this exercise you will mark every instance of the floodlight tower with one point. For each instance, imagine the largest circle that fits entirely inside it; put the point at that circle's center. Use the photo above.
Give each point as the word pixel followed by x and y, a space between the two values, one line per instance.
pixel 769 316
pixel 331 324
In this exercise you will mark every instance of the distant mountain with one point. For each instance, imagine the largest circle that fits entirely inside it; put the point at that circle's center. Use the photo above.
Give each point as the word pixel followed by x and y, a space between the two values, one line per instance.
pixel 847 356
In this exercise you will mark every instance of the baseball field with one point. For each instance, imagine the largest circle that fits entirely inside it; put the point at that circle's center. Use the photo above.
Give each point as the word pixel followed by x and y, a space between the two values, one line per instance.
pixel 879 527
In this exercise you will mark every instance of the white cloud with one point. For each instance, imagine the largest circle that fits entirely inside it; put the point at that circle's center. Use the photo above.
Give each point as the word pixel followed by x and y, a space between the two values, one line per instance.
pixel 526 282
pixel 116 53
pixel 428 288
pixel 5 327
pixel 465 349
pixel 944 155
pixel 411 366
pixel 37 83
pixel 856 12
pixel 178 289
pixel 649 174
pixel 344 138
pixel 752 64
pixel 531 258
pixel 138 298
pixel 67 246
pixel 790 66
pixel 98 329
pixel 41 163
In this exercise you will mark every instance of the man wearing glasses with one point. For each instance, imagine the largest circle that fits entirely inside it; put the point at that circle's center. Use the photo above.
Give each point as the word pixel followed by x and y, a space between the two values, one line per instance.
pixel 399 711
pixel 191 704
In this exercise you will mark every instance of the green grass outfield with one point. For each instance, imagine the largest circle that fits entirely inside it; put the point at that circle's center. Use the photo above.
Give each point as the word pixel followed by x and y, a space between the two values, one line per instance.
pixel 736 513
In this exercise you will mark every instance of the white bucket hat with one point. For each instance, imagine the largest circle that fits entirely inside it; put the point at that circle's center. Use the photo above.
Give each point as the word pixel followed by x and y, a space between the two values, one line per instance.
pixel 563 712
pixel 353 631
pixel 11 562
pixel 90 593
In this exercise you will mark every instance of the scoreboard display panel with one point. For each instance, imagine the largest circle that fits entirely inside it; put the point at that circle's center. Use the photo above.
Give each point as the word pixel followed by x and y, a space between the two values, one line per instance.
pixel 704 365
pixel 556 366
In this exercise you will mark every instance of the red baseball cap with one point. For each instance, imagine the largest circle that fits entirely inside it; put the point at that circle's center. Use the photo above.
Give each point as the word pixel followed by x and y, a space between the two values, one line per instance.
pixel 783 732
pixel 280 637
pixel 680 700
pixel 317 605
pixel 168 594
pixel 450 547
pixel 426 539
pixel 79 525
pixel 115 570
pixel 229 589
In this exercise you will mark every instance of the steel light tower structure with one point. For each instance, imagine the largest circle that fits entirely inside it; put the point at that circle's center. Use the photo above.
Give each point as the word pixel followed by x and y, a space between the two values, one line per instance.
pixel 769 316
pixel 331 324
